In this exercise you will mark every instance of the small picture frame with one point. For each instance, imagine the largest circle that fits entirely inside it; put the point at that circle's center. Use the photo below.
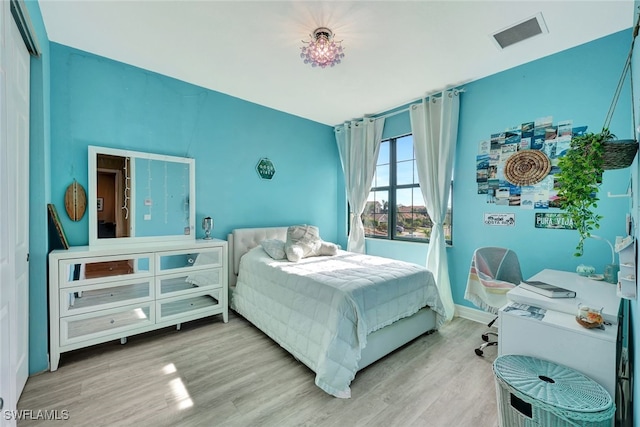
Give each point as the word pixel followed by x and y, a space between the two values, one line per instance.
pixel 100 204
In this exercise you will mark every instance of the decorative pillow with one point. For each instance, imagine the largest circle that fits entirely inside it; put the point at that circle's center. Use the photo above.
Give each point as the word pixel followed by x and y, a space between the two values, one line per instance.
pixel 304 241
pixel 274 248
pixel 328 248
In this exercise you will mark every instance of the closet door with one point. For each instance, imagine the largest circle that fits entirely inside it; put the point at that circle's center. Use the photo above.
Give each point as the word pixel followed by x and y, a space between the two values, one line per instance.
pixel 18 127
pixel 14 213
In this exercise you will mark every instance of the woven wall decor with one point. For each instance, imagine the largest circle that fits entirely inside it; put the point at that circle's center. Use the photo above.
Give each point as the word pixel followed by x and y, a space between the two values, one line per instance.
pixel 527 167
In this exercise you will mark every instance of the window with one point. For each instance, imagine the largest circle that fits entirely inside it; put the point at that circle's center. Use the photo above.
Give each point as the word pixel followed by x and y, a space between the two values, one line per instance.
pixel 395 208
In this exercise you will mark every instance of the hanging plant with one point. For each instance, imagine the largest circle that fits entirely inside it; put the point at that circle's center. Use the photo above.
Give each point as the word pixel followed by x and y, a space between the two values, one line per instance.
pixel 580 177
pixel 589 155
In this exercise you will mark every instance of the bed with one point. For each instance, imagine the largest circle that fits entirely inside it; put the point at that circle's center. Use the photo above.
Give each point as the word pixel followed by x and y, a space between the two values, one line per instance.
pixel 336 314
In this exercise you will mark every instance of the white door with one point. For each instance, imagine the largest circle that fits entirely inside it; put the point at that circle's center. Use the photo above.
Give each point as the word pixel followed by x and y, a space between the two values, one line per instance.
pixel 14 213
pixel 7 380
pixel 18 122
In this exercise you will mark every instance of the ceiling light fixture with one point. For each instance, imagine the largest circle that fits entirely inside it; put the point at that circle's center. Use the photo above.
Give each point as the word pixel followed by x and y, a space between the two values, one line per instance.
pixel 322 50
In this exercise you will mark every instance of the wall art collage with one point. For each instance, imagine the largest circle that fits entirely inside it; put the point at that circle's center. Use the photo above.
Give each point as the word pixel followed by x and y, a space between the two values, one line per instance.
pixel 516 167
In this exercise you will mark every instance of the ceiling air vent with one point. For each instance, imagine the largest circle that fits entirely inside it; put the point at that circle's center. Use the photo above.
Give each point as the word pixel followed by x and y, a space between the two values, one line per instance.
pixel 523 30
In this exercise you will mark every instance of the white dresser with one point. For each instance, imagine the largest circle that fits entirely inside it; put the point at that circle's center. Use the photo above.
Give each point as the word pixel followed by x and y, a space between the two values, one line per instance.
pixel 108 293
pixel 555 335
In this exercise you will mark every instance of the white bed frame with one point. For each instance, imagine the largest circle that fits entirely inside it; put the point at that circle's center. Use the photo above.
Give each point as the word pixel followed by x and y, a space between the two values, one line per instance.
pixel 379 343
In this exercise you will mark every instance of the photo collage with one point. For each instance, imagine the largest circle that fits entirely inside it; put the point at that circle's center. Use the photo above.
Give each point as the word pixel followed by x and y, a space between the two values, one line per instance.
pixel 543 135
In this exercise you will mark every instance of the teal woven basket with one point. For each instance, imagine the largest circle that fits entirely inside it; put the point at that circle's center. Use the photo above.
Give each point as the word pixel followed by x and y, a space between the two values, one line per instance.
pixel 533 392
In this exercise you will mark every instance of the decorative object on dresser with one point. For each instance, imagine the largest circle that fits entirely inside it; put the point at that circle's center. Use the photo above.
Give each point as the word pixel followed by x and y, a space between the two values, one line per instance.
pixel 207 226
pixel 108 293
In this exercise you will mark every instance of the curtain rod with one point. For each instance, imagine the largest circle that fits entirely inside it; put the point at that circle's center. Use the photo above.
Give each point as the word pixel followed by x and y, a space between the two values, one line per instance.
pixel 393 113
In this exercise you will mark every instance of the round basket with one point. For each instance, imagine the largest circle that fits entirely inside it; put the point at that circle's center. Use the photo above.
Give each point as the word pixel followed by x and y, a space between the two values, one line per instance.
pixel 527 167
pixel 619 154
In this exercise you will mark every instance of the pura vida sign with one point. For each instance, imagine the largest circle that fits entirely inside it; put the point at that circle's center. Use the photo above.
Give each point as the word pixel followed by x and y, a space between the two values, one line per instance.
pixel 554 220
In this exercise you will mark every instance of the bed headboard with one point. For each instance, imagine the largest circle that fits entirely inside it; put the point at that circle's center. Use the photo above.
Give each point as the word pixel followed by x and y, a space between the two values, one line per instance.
pixel 241 240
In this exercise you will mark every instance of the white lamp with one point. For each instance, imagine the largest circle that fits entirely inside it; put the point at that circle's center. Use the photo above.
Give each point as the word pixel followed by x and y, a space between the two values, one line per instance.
pixel 610 270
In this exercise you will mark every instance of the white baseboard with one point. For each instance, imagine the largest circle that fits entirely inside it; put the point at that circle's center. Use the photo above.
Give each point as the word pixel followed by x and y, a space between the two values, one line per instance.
pixel 474 314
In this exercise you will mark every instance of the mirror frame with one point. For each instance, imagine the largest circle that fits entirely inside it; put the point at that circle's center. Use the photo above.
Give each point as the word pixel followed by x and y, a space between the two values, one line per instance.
pixel 93 198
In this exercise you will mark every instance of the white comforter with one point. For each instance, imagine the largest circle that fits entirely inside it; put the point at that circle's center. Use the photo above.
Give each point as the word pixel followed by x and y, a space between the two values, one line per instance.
pixel 322 308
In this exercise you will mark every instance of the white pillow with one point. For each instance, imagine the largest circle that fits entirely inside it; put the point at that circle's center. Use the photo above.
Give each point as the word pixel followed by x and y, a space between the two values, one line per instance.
pixel 274 248
pixel 304 241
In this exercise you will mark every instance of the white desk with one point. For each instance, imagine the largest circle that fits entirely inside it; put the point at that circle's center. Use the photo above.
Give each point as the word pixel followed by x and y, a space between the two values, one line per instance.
pixel 558 337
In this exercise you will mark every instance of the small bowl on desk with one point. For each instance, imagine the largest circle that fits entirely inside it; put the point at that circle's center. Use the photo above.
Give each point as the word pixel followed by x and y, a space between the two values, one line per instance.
pixel 589 317
pixel 585 270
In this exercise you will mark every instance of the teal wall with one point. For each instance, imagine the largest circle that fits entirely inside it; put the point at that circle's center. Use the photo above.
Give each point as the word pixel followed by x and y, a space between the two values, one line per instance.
pixel 97 101
pixel 79 99
pixel 39 195
pixel 577 85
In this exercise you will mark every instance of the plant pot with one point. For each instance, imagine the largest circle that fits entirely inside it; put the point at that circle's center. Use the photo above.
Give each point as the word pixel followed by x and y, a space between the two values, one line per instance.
pixel 619 154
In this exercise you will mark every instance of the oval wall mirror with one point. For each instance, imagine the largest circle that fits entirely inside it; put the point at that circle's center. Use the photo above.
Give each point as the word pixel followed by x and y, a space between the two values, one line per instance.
pixel 75 201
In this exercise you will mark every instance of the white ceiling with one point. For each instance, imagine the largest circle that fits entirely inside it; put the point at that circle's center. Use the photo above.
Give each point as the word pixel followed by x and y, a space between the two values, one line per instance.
pixel 395 51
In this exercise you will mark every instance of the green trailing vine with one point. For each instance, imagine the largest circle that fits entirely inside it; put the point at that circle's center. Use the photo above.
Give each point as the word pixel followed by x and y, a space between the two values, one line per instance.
pixel 580 177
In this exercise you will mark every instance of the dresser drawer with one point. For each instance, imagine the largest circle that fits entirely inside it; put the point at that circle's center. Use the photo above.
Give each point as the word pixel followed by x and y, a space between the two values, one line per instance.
pixel 202 302
pixel 86 271
pixel 180 261
pixel 84 299
pixel 184 283
pixel 85 327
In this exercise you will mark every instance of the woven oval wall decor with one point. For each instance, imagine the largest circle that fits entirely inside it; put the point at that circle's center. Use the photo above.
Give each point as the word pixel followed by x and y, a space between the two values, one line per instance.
pixel 527 167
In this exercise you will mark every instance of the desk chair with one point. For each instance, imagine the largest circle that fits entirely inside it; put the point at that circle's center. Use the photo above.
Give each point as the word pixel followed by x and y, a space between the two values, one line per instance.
pixel 494 271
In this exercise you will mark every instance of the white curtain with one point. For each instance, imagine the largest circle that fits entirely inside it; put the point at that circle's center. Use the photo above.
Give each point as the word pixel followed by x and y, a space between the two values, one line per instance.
pixel 358 144
pixel 434 124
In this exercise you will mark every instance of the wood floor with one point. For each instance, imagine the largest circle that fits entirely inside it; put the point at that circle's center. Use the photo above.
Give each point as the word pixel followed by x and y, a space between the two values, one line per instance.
pixel 216 374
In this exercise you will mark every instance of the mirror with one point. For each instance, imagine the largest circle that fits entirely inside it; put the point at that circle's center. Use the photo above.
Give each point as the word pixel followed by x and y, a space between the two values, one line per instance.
pixel 140 197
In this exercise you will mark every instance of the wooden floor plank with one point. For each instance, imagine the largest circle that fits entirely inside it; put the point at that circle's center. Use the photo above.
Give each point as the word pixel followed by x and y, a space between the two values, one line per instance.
pixel 216 374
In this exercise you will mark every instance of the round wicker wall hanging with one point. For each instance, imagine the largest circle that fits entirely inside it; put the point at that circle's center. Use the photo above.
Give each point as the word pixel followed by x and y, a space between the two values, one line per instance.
pixel 527 167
